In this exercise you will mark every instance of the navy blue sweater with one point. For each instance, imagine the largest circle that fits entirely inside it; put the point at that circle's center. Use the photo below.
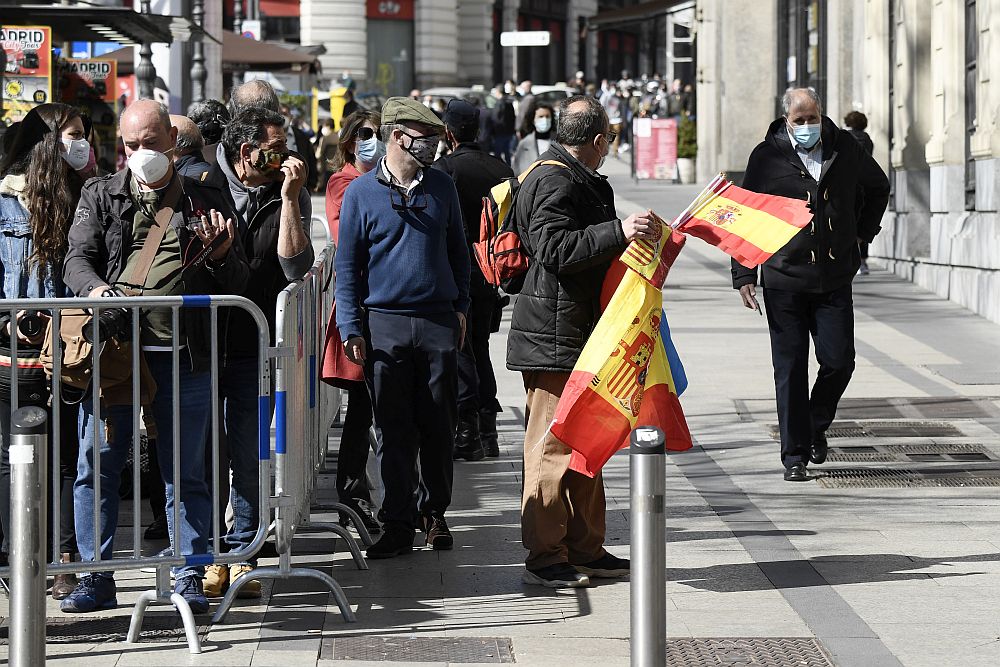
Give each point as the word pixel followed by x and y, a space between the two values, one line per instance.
pixel 407 262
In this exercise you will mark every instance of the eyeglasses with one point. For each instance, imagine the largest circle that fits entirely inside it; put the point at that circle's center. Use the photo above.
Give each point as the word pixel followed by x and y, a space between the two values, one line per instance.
pixel 365 133
pixel 401 202
pixel 611 136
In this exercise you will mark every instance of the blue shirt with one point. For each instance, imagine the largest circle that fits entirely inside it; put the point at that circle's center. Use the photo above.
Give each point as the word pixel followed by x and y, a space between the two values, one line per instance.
pixel 399 254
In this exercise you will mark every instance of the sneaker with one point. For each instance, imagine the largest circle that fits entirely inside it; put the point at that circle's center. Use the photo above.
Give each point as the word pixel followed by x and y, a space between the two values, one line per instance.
pixel 157 530
pixel 216 580
pixel 863 269
pixel 190 588
pixel 394 542
pixel 363 510
pixel 560 575
pixel 438 535
pixel 607 566
pixel 249 590
pixel 94 592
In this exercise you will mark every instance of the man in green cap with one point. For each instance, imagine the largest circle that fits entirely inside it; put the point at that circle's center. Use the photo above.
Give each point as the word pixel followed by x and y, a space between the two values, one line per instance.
pixel 402 299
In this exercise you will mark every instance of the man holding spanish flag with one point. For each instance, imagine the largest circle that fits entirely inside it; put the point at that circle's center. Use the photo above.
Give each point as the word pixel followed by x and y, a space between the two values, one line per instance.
pixel 566 217
pixel 807 283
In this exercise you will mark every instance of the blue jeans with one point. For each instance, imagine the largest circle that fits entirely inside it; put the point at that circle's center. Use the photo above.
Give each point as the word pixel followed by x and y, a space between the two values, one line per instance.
pixel 238 385
pixel 196 508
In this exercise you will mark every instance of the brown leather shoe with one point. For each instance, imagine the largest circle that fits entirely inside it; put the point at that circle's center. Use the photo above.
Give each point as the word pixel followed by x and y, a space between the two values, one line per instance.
pixel 438 535
pixel 63 584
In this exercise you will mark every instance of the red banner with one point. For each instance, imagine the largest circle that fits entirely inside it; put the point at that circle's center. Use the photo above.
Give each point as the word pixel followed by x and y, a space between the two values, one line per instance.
pixel 392 10
pixel 654 141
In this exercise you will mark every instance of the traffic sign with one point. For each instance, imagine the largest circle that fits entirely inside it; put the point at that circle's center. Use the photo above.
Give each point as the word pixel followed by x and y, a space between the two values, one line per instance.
pixel 251 29
pixel 525 38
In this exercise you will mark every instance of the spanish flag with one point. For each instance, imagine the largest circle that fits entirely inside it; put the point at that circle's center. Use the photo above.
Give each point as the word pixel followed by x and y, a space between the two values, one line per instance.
pixel 629 372
pixel 748 226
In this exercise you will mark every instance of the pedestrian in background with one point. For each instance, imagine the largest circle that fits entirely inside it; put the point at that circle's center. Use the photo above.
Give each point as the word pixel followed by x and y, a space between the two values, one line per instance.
pixel 187 156
pixel 537 137
pixel 39 190
pixel 807 284
pixel 358 152
pixel 211 117
pixel 475 172
pixel 504 123
pixel 402 299
pixel 567 220
pixel 856 123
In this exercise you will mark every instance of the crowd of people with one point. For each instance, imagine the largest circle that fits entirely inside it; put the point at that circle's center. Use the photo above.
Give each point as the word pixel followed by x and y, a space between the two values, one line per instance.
pixel 218 202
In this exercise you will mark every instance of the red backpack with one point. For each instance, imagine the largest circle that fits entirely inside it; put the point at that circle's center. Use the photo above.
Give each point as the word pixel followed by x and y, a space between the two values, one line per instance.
pixel 499 251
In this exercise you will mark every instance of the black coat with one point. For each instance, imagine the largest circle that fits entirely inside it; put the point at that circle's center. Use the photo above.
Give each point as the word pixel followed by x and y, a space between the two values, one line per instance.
pixel 100 240
pixel 847 204
pixel 567 220
pixel 475 172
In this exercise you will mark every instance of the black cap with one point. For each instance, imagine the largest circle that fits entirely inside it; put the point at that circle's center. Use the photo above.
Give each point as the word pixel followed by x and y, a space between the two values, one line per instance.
pixel 460 113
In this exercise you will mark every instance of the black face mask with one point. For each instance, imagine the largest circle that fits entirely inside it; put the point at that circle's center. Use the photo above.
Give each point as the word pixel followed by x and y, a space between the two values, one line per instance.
pixel 269 163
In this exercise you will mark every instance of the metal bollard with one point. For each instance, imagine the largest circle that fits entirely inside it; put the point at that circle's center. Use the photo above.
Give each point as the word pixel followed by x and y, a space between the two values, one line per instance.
pixel 28 453
pixel 647 457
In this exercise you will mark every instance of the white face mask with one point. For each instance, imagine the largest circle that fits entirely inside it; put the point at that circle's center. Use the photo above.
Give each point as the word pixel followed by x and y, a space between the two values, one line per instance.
pixel 77 153
pixel 149 166
pixel 543 125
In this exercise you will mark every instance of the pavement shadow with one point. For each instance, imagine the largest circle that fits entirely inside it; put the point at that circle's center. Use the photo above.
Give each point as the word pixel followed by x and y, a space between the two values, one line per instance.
pixel 819 571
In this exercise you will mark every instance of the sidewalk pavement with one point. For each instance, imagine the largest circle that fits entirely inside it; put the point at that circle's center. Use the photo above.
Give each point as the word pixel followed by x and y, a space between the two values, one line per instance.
pixel 897 572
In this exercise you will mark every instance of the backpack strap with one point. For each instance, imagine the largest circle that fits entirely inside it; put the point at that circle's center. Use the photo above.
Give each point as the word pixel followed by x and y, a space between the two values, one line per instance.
pixel 539 163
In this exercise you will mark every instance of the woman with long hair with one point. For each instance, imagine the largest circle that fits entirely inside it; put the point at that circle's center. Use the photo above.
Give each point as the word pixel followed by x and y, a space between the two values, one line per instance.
pixel 539 131
pixel 39 191
pixel 358 152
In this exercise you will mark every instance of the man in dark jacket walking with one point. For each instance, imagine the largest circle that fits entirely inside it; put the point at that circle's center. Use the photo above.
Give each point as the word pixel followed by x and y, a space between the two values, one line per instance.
pixel 118 217
pixel 807 284
pixel 566 218
pixel 475 172
pixel 265 186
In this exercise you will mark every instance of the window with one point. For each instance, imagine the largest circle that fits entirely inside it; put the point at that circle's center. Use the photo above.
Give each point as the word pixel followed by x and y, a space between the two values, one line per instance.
pixel 971 76
pixel 801 46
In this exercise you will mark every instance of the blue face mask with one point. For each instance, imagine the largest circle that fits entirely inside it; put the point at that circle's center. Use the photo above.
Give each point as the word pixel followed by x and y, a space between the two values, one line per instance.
pixel 369 151
pixel 806 135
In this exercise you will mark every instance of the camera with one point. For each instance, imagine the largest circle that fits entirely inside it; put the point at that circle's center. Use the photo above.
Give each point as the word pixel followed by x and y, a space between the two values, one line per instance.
pixel 30 325
pixel 111 322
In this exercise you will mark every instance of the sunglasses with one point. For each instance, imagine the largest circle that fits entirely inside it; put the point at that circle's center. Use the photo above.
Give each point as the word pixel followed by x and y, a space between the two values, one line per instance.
pixel 416 203
pixel 611 136
pixel 365 133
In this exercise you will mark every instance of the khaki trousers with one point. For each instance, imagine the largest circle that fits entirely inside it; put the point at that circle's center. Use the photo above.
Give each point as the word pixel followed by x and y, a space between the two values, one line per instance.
pixel 562 511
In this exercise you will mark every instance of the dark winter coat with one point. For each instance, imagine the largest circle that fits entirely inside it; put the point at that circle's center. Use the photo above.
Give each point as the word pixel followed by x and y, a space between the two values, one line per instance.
pixel 475 172
pixel 567 220
pixel 101 236
pixel 847 204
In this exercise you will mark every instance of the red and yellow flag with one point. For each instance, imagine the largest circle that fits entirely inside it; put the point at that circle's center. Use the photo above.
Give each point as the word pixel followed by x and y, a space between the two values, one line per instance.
pixel 624 376
pixel 748 226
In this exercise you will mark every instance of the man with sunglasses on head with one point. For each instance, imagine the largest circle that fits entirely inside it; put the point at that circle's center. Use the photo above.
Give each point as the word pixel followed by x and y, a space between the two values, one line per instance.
pixel 402 299
pixel 566 218
pixel 264 181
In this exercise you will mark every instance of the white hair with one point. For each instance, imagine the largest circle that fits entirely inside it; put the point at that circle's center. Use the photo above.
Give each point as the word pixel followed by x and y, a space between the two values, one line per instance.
pixel 789 98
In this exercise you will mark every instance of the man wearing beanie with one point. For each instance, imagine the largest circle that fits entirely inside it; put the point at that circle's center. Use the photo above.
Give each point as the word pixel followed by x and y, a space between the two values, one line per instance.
pixel 475 172
pixel 402 298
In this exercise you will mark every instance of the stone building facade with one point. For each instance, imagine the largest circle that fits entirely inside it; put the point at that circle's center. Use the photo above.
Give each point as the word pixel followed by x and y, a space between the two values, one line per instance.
pixel 921 70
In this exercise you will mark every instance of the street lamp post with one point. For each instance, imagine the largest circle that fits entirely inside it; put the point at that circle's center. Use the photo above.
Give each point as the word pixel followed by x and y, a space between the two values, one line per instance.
pixel 238 29
pixel 145 72
pixel 198 71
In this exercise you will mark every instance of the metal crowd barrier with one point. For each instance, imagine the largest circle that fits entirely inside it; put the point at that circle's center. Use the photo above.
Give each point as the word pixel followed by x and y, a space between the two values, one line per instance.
pixel 304 409
pixel 133 559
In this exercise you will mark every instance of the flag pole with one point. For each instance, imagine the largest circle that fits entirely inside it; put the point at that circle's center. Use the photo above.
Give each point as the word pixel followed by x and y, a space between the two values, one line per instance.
pixel 702 197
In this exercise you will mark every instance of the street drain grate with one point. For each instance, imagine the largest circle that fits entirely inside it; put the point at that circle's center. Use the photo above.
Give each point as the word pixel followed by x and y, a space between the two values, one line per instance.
pixel 886 429
pixel 156 628
pixel 903 478
pixel 736 651
pixel 419 649
pixel 942 453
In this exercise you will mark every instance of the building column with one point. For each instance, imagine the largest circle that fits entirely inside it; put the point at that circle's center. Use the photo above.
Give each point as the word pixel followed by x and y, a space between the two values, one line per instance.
pixel 986 141
pixel 508 22
pixel 436 32
pixel 839 59
pixel 475 41
pixel 945 148
pixel 341 26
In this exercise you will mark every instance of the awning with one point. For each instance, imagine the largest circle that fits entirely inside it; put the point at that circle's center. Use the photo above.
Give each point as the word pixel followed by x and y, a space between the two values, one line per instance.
pixel 125 57
pixel 84 23
pixel 239 52
pixel 277 8
pixel 634 14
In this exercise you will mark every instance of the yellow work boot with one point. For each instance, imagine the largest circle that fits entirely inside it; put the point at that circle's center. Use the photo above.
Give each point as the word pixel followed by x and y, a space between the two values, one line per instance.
pixel 216 580
pixel 249 590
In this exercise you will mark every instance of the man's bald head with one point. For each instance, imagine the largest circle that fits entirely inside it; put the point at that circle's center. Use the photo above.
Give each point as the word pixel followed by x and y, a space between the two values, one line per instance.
pixel 189 139
pixel 146 124
pixel 256 93
pixel 802 105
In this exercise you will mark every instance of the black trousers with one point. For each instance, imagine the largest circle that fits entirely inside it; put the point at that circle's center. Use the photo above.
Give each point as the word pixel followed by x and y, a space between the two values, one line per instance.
pixel 352 458
pixel 69 451
pixel 477 383
pixel 411 371
pixel 792 317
